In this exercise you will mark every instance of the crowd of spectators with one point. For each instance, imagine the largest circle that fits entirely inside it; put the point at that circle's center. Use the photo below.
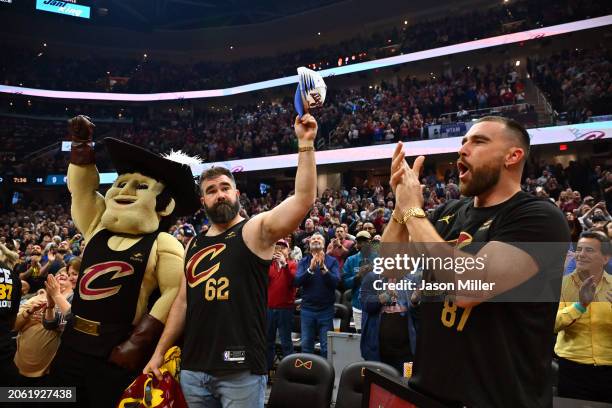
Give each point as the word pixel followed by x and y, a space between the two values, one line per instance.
pixel 578 82
pixel 42 69
pixel 343 230
pixel 581 191
pixel 399 109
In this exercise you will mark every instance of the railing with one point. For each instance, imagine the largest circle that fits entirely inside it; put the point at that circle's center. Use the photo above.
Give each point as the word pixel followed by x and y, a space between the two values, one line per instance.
pixel 41 152
pixel 478 113
pixel 52 148
pixel 542 99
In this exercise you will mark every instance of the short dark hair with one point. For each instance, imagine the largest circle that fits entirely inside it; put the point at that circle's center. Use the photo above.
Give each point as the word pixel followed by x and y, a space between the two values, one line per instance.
pixel 606 246
pixel 514 126
pixel 215 172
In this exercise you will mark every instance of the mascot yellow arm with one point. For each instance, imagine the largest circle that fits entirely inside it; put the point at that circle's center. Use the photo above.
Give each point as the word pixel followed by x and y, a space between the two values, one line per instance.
pixel 168 270
pixel 87 204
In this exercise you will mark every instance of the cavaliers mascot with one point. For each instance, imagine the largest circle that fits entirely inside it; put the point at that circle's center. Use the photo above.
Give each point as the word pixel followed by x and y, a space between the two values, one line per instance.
pixel 131 270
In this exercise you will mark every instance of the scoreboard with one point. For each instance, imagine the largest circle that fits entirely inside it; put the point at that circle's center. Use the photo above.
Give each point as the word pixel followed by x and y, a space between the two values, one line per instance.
pixel 48 179
pixel 68 8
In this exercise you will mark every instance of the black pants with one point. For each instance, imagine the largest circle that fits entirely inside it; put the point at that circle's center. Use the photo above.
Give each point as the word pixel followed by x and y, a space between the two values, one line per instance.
pixel 585 382
pixel 394 340
pixel 33 381
pixel 99 383
pixel 9 375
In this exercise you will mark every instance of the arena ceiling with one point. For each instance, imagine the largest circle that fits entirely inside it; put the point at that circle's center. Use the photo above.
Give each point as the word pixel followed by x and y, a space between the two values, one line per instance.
pixel 154 15
pixel 188 14
pixel 212 27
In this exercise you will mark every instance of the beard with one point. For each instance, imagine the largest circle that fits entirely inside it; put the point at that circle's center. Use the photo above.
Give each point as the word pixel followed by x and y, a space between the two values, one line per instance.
pixel 222 212
pixel 316 247
pixel 481 179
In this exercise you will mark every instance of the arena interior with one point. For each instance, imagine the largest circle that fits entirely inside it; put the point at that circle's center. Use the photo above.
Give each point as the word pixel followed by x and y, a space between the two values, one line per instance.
pixel 114 251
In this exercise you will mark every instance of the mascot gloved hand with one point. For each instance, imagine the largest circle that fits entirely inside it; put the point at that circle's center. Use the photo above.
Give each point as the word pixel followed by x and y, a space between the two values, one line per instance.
pixel 134 353
pixel 81 132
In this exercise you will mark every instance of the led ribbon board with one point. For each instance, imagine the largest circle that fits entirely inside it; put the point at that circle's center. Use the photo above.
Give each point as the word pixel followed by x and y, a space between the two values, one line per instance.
pixel 63 7
pixel 348 69
pixel 539 136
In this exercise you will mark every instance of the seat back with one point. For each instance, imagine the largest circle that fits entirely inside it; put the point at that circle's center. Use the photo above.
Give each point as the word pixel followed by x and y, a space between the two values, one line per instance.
pixel 350 389
pixel 338 296
pixel 347 297
pixel 343 313
pixel 302 381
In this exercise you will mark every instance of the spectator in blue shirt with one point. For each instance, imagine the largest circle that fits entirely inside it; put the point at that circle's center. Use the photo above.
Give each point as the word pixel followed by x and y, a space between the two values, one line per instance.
pixel 355 268
pixel 318 275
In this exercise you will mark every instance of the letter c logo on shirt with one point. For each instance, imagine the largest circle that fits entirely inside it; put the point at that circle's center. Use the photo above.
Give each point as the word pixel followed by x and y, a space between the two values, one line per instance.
pixel 464 239
pixel 92 273
pixel 195 278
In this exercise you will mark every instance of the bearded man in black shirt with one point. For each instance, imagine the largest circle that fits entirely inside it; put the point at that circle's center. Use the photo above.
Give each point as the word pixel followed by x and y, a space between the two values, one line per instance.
pixel 488 346
pixel 221 305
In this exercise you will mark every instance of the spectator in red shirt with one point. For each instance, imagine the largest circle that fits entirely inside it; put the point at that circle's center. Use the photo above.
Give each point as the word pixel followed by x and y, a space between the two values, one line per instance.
pixel 379 220
pixel 340 246
pixel 281 299
pixel 507 96
pixel 404 131
pixel 573 204
pixel 414 132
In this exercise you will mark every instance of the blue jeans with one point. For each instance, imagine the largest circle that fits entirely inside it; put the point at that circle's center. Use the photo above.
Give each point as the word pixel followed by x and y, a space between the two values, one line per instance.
pixel 281 320
pixel 240 390
pixel 313 322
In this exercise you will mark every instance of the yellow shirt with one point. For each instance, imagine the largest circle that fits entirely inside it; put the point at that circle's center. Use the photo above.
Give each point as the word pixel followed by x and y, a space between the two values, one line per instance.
pixel 585 338
pixel 36 346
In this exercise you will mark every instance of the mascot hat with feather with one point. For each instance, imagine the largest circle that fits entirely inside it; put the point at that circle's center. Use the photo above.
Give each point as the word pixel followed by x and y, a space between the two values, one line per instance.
pixel 172 170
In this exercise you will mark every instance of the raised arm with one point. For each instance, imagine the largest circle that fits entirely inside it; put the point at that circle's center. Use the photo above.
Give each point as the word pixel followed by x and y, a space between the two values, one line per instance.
pixel 570 310
pixel 396 232
pixel 83 178
pixel 265 229
pixel 506 266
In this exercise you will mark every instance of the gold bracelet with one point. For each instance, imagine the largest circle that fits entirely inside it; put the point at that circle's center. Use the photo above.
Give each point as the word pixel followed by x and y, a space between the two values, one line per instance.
pixel 306 149
pixel 397 219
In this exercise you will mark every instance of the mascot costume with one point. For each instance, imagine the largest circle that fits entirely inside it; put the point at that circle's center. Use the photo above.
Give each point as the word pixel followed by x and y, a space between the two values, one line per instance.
pixel 131 270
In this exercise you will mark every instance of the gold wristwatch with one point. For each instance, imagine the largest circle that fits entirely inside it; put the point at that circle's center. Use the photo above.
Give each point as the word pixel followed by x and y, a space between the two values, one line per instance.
pixel 407 213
